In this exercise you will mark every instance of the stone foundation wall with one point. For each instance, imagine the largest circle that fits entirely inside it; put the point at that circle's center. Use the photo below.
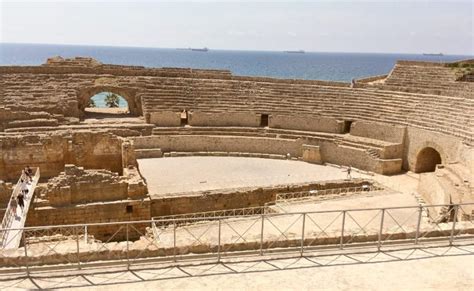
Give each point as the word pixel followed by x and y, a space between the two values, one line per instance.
pixel 50 152
pixel 224 119
pixel 76 185
pixel 433 193
pixel 329 151
pixel 237 198
pixel 358 158
pixel 144 209
pixel 305 123
pixel 93 213
pixel 417 139
pixel 380 131
pixel 221 144
pixel 164 118
pixel 5 193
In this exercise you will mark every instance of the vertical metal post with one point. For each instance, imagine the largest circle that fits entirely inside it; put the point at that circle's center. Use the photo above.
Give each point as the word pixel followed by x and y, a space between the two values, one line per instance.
pixel 85 234
pixel 342 229
pixel 417 234
pixel 77 248
pixel 261 235
pixel 451 238
pixel 302 234
pixel 381 229
pixel 174 241
pixel 128 248
pixel 219 242
pixel 26 253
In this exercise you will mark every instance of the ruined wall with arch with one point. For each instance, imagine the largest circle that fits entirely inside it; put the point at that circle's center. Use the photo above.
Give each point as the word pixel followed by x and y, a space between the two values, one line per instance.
pixel 57 93
pixel 129 94
pixel 426 160
pixel 418 139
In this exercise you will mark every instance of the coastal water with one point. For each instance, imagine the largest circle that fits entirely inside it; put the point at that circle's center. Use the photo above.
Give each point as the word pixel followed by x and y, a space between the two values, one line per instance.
pixel 309 65
pixel 99 100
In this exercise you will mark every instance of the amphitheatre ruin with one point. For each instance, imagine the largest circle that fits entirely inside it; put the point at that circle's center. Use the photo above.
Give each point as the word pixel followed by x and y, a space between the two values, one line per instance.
pixel 206 163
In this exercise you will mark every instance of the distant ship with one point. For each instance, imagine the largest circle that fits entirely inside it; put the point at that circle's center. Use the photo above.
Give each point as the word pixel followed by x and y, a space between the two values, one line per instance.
pixel 295 52
pixel 205 49
pixel 434 55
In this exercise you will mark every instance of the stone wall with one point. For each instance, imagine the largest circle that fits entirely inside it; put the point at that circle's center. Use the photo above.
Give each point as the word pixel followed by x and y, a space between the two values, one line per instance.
pixel 224 119
pixel 144 209
pixel 165 118
pixel 380 131
pixel 418 139
pixel 77 186
pixel 358 158
pixel 305 123
pixel 51 151
pixel 188 143
pixel 5 193
pixel 10 118
pixel 236 198
pixel 311 154
pixel 467 159
pixel 115 211
pixel 433 193
pixel 329 151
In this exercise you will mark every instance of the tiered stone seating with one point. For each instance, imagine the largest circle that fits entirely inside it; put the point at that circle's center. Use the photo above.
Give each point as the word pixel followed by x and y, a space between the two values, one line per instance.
pixel 431 78
pixel 440 113
pixel 54 89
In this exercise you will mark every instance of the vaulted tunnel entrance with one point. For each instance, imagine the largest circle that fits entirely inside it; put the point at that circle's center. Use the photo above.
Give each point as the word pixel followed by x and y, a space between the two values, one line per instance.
pixel 109 100
pixel 426 160
pixel 107 103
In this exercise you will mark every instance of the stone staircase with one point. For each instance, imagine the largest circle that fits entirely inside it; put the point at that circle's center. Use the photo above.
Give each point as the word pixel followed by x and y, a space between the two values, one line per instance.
pixel 10 230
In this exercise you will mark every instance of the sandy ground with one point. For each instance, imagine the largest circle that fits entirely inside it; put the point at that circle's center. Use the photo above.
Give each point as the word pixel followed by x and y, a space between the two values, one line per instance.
pixel 375 199
pixel 317 225
pixel 440 268
pixel 187 174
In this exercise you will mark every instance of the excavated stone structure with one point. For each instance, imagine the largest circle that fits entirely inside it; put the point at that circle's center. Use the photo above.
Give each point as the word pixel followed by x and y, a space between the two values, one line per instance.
pixel 76 185
pixel 417 117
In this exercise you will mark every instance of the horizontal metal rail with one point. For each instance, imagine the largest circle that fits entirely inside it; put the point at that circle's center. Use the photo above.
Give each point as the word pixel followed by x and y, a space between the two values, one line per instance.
pixel 303 195
pixel 164 221
pixel 268 214
pixel 218 236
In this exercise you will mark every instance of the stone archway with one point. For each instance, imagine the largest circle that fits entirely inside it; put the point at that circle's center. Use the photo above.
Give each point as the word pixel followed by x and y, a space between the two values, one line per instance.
pixel 427 159
pixel 134 104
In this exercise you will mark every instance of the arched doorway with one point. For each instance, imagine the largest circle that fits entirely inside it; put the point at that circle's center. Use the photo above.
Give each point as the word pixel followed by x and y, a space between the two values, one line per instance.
pixel 107 103
pixel 426 160
pixel 128 97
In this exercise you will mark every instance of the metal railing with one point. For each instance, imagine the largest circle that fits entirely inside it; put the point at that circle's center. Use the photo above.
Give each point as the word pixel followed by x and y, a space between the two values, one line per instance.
pixel 131 242
pixel 303 195
pixel 9 215
pixel 165 221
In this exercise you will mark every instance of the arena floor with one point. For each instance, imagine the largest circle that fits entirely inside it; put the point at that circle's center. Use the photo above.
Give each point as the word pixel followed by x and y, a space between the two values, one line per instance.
pixel 188 174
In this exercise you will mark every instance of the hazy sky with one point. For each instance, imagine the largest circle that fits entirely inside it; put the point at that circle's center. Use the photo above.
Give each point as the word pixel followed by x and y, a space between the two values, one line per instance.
pixel 335 26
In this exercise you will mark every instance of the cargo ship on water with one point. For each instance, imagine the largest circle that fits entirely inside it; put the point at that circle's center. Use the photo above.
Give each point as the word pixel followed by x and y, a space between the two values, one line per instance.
pixel 204 49
pixel 295 52
pixel 434 55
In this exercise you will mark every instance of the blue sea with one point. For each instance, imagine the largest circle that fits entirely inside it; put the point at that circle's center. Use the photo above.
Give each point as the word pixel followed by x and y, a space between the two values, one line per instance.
pixel 99 100
pixel 310 65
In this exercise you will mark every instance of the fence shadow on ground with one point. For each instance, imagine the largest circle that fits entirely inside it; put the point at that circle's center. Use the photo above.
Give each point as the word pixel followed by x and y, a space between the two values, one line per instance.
pixel 107 276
